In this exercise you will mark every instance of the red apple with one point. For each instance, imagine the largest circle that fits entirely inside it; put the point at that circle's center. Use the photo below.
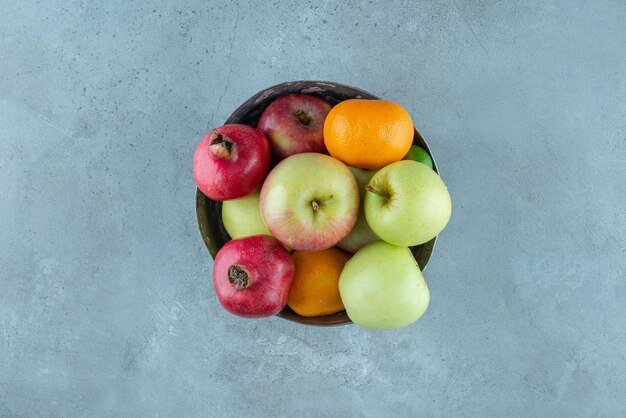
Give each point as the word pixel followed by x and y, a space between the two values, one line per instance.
pixel 294 123
pixel 231 162
pixel 252 276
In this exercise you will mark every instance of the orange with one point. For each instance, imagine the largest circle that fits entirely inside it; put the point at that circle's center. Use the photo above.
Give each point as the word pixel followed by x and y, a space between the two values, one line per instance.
pixel 314 290
pixel 368 133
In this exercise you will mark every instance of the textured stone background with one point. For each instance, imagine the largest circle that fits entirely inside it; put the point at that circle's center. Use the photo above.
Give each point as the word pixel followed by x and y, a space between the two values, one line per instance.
pixel 106 304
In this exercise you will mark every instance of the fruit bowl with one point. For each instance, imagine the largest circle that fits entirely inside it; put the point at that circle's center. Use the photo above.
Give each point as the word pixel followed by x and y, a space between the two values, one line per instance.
pixel 209 211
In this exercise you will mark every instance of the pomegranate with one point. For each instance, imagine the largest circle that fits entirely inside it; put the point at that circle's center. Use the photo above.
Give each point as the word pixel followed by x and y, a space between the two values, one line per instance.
pixel 252 276
pixel 231 162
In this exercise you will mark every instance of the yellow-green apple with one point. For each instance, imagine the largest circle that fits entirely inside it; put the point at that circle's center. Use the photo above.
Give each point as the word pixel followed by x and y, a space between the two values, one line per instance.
pixel 242 217
pixel 407 203
pixel 361 234
pixel 293 124
pixel 382 287
pixel 310 201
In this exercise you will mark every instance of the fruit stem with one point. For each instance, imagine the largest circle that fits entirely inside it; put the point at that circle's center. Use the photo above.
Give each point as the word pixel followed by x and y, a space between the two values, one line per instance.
pixel 221 145
pixel 373 190
pixel 303 117
pixel 315 206
pixel 238 277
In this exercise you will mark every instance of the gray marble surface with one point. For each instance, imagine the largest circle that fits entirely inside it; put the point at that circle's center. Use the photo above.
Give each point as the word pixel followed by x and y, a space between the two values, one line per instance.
pixel 106 303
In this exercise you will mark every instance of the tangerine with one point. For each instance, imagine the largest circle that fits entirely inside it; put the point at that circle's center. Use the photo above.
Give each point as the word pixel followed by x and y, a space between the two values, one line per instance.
pixel 368 133
pixel 314 290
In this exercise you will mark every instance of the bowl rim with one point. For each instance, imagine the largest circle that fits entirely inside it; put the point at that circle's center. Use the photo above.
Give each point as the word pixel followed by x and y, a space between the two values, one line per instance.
pixel 340 318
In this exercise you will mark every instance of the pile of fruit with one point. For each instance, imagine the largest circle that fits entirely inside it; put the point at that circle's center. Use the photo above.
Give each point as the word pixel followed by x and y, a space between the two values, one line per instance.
pixel 322 204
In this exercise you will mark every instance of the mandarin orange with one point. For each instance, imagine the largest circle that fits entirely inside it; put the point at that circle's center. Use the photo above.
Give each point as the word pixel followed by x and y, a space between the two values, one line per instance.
pixel 368 133
pixel 314 290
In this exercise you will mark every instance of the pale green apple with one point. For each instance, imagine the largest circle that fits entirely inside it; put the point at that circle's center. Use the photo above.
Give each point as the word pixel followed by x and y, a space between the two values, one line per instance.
pixel 382 287
pixel 242 217
pixel 361 233
pixel 407 203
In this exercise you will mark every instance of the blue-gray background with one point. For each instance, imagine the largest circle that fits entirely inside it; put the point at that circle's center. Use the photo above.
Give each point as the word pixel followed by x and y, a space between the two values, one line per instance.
pixel 106 303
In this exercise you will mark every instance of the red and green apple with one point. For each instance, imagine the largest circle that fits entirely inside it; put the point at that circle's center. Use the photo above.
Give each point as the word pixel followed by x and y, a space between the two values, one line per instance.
pixel 310 201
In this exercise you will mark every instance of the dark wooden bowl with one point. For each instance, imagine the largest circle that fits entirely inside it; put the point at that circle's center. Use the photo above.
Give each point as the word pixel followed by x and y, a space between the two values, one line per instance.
pixel 209 212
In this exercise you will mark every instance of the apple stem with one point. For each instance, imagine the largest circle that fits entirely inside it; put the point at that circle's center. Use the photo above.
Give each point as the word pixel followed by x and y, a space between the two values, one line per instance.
pixel 238 277
pixel 303 117
pixel 373 190
pixel 315 206
pixel 221 145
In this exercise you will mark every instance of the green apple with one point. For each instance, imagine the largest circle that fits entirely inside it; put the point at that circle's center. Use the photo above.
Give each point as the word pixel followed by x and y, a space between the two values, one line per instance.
pixel 382 287
pixel 361 233
pixel 420 155
pixel 407 203
pixel 242 217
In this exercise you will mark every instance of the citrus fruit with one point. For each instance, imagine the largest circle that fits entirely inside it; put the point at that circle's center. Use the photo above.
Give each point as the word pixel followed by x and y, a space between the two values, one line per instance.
pixel 314 290
pixel 368 133
pixel 420 155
